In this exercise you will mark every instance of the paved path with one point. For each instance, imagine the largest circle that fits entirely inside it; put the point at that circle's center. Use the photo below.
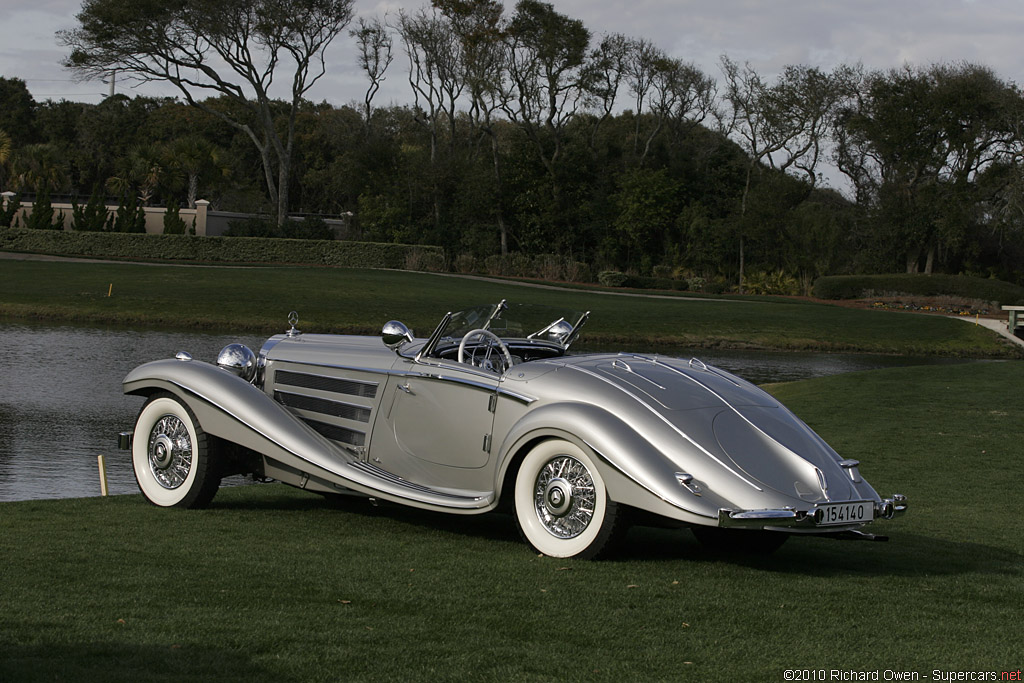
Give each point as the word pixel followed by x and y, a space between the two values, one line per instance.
pixel 997 326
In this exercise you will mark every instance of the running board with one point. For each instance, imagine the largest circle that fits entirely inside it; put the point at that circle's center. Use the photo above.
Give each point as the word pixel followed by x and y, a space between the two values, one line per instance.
pixel 387 483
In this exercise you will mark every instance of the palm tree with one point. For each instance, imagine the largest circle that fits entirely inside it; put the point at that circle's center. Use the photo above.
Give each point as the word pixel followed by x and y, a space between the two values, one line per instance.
pixel 39 167
pixel 195 158
pixel 143 171
pixel 5 154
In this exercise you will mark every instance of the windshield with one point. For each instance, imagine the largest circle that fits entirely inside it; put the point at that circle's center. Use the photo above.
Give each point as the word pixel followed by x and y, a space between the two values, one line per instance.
pixel 517 321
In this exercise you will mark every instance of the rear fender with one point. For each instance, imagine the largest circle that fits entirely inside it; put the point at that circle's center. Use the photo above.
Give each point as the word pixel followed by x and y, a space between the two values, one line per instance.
pixel 635 472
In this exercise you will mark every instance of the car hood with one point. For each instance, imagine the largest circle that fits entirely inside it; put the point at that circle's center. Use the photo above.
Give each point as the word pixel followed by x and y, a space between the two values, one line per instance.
pixel 728 418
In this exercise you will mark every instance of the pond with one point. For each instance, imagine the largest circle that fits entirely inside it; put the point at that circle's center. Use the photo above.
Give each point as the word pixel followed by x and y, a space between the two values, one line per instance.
pixel 61 403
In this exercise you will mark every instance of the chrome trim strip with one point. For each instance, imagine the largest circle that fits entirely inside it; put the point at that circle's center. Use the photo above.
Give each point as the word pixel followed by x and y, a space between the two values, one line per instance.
pixel 522 398
pixel 360 413
pixel 350 380
pixel 381 473
pixel 663 419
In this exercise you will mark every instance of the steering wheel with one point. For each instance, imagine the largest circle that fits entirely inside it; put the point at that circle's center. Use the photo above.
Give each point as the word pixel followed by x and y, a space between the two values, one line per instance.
pixel 492 341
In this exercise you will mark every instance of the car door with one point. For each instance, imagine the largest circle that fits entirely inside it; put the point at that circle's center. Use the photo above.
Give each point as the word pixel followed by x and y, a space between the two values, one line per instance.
pixel 435 423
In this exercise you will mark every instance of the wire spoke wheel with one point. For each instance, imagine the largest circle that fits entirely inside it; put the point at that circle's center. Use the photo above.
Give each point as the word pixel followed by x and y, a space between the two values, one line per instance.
pixel 564 497
pixel 170 452
pixel 174 463
pixel 562 505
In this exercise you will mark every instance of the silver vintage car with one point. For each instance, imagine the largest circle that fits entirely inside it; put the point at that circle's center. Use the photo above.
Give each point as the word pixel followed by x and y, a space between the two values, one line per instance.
pixel 492 410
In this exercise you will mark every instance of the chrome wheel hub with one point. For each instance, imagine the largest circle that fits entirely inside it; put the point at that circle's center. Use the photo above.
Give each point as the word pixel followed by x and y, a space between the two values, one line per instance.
pixel 170 452
pixel 564 497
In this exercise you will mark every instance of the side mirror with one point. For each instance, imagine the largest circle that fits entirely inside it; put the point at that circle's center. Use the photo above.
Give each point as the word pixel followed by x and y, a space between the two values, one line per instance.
pixel 395 335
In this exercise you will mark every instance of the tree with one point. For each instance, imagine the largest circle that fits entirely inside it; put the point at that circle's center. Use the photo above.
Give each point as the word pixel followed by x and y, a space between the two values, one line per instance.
pixel 39 168
pixel 43 217
pixel 233 48
pixel 5 155
pixel 375 56
pixel 436 79
pixel 93 216
pixel 547 67
pixel 914 145
pixel 194 158
pixel 479 26
pixel 17 110
pixel 782 125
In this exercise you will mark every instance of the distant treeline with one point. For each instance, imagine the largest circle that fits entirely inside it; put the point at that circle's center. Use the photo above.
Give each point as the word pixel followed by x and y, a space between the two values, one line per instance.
pixel 530 136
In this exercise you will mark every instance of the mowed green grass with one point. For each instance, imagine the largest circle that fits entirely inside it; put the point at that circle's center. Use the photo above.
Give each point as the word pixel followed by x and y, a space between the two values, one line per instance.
pixel 361 301
pixel 276 584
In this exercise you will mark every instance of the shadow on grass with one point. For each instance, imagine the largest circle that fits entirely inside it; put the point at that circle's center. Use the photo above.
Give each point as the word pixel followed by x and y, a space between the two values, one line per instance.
pixel 82 662
pixel 497 526
pixel 906 554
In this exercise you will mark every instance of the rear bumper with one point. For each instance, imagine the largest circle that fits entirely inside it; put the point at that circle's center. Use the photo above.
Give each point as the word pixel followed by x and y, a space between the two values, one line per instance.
pixel 806 520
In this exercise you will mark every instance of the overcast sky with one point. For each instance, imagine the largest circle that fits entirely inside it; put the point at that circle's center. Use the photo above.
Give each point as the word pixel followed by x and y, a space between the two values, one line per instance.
pixel 767 33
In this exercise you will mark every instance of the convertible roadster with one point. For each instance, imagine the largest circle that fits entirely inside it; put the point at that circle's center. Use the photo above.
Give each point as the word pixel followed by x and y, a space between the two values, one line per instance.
pixel 492 410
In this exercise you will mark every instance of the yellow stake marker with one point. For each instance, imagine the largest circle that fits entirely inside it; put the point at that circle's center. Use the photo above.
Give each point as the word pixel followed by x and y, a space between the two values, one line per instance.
pixel 103 475
pixel 111 290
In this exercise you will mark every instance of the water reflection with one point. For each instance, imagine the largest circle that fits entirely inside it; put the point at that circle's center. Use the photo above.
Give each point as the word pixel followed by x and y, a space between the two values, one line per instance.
pixel 61 403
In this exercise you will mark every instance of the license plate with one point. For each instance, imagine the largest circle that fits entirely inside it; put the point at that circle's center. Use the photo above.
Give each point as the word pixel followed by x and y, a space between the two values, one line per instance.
pixel 833 514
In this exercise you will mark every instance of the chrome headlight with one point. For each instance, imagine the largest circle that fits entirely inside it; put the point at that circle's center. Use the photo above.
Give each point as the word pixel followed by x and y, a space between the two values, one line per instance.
pixel 238 359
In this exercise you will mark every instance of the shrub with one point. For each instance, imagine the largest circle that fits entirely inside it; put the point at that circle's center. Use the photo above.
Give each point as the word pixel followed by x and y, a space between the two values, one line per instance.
pixel 696 284
pixel 612 278
pixel 577 271
pixel 548 267
pixel 430 260
pixel 771 282
pixel 214 249
pixel 252 227
pixel 644 282
pixel 130 216
pixel 173 223
pixel 42 216
pixel 92 217
pixel 308 228
pixel 497 265
pixel 867 286
pixel 521 265
pixel 465 264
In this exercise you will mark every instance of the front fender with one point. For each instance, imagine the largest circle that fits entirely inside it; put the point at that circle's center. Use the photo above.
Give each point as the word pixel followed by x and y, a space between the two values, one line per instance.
pixel 230 408
pixel 635 472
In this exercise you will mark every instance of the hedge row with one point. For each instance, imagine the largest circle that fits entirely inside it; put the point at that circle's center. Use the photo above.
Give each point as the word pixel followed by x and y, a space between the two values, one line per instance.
pixel 867 286
pixel 220 249
pixel 614 278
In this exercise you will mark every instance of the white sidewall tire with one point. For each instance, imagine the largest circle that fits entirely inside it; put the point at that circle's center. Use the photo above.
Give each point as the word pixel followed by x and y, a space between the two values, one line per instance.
pixel 151 413
pixel 588 543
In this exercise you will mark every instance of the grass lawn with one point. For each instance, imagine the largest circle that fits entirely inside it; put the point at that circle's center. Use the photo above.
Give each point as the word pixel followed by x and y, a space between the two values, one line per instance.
pixel 275 584
pixel 361 301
